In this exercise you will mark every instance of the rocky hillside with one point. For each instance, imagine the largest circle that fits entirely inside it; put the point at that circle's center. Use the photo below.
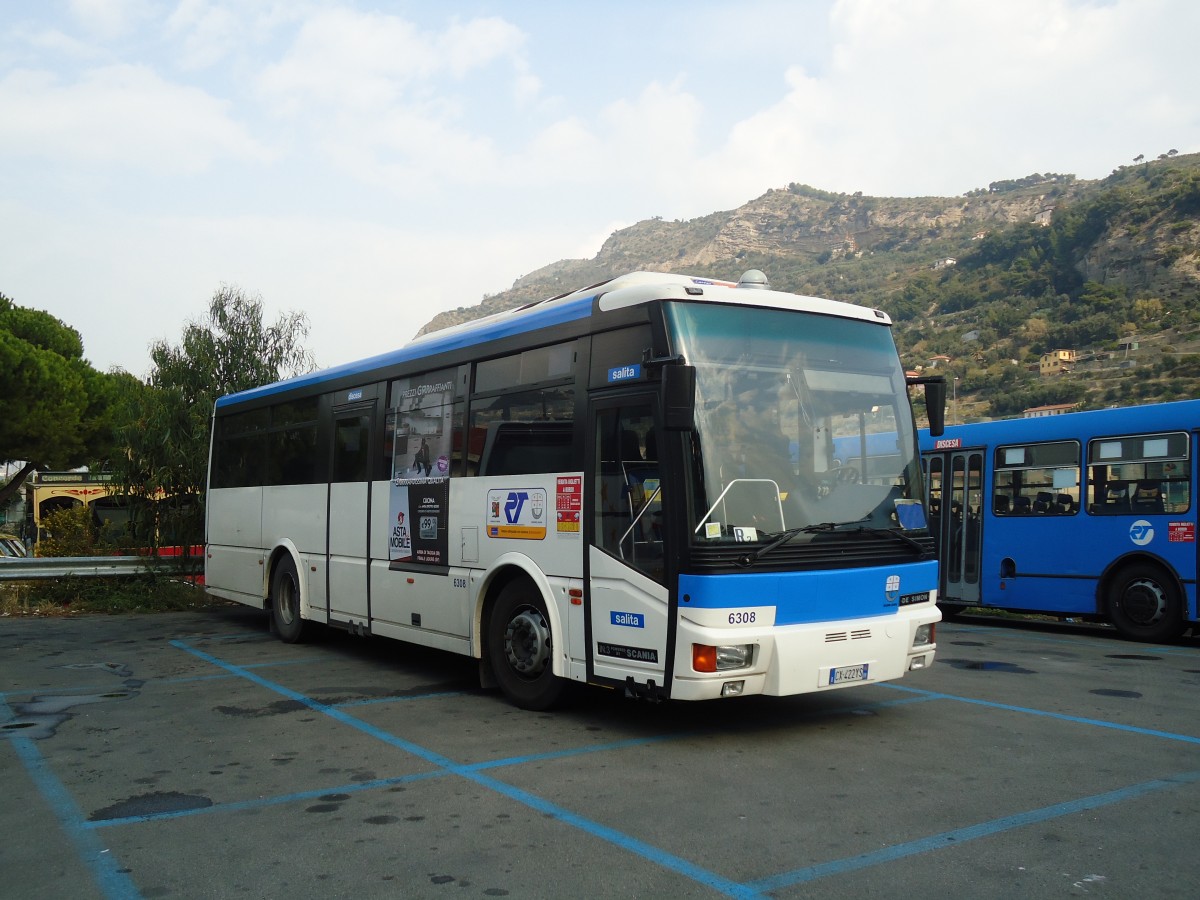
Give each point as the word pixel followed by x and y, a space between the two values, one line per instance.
pixel 992 279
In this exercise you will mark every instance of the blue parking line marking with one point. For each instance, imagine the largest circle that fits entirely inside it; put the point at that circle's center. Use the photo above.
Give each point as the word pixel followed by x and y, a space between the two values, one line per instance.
pixel 316 706
pixel 612 836
pixel 1062 717
pixel 106 870
pixel 960 836
pixel 25 693
pixel 620 839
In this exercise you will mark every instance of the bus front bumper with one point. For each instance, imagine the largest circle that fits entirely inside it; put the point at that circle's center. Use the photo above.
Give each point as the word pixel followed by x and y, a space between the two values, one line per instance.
pixel 801 659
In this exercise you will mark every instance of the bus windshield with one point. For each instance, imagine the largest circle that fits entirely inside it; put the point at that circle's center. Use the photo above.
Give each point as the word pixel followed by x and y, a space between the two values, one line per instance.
pixel 802 425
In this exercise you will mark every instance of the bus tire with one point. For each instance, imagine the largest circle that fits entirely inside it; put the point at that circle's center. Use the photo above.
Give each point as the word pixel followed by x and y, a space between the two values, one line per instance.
pixel 1144 604
pixel 285 602
pixel 521 647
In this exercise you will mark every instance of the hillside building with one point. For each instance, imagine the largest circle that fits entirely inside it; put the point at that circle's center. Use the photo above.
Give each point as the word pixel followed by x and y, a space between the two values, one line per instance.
pixel 1057 362
pixel 1053 409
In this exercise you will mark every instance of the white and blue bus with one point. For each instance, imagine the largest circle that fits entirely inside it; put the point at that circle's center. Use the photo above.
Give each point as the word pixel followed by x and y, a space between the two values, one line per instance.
pixel 632 485
pixel 1089 515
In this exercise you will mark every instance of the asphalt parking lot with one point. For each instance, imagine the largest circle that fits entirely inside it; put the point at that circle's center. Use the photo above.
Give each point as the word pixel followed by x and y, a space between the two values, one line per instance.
pixel 193 755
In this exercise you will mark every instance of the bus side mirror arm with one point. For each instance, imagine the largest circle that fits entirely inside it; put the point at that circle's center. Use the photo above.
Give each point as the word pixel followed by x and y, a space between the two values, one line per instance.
pixel 935 400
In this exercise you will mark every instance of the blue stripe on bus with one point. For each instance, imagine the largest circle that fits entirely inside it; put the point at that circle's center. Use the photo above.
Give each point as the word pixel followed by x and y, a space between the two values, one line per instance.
pixel 804 597
pixel 552 314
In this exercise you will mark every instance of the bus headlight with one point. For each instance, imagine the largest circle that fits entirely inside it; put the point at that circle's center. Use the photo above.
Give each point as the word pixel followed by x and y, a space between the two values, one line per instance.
pixel 924 635
pixel 706 658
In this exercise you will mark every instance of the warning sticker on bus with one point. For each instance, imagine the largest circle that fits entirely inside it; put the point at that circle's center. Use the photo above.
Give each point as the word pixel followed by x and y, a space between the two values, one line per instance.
pixel 1181 532
pixel 568 503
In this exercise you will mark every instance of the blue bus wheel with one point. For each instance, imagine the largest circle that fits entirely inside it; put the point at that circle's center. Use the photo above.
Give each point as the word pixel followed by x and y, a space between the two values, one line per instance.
pixel 1144 604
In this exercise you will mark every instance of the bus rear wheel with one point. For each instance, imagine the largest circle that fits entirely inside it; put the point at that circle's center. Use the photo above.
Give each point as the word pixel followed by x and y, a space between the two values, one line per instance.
pixel 521 648
pixel 1144 604
pixel 285 602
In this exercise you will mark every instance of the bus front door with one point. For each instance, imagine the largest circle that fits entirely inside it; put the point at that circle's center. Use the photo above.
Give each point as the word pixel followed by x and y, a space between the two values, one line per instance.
pixel 627 606
pixel 347 541
pixel 954 492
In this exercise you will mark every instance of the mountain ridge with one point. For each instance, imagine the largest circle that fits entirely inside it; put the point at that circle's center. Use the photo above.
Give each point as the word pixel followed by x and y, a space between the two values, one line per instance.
pixel 1094 260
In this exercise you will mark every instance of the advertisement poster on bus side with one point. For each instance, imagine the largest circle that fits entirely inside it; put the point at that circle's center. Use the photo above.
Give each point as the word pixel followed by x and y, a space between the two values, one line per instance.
pixel 420 426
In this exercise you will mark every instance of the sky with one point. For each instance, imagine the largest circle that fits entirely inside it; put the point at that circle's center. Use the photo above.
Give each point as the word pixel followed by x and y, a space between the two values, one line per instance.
pixel 372 163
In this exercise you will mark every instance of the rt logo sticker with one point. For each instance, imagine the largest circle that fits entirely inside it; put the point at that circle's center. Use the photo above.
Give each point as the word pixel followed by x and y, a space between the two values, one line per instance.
pixel 1141 532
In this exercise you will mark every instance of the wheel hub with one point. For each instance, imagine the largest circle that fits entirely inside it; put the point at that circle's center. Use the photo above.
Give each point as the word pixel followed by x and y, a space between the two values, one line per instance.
pixel 527 642
pixel 1144 602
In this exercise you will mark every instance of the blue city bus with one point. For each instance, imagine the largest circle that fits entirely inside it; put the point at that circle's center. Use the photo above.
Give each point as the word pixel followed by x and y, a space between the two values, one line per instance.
pixel 632 485
pixel 1090 515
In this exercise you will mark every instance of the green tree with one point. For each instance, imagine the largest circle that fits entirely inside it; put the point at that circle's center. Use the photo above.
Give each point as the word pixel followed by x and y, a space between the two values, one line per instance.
pixel 165 422
pixel 55 408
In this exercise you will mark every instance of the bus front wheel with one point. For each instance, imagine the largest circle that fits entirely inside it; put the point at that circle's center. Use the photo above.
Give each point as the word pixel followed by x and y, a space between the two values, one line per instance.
pixel 1144 604
pixel 285 602
pixel 521 648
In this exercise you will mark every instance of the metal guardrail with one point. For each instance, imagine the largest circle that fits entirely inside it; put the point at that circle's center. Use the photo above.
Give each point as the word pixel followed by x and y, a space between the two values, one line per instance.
pixel 42 568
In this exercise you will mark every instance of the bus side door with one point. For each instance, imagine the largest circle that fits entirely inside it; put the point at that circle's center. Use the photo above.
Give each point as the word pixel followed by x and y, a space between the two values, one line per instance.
pixel 954 500
pixel 349 519
pixel 628 603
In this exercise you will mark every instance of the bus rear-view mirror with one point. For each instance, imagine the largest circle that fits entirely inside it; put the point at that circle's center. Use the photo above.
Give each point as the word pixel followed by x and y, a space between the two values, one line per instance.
pixel 679 397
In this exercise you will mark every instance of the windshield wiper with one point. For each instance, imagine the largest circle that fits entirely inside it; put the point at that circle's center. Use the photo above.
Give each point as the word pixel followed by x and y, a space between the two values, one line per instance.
pixel 900 536
pixel 784 536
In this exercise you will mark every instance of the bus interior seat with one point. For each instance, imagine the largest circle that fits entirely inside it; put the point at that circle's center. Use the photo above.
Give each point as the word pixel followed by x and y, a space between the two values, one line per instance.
pixel 1001 505
pixel 1022 506
pixel 1064 504
pixel 1042 502
pixel 1116 498
pixel 1147 498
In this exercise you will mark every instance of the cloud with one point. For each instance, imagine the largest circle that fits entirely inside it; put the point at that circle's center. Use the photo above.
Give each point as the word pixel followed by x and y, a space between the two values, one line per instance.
pixel 125 116
pixel 108 19
pixel 369 62
pixel 924 96
pixel 385 100
pixel 366 288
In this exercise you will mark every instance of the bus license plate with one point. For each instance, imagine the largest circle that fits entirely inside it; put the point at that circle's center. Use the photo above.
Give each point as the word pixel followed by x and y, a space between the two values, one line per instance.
pixel 846 674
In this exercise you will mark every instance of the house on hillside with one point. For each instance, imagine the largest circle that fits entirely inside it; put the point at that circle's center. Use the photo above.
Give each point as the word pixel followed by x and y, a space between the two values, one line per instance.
pixel 945 262
pixel 1057 362
pixel 1053 409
